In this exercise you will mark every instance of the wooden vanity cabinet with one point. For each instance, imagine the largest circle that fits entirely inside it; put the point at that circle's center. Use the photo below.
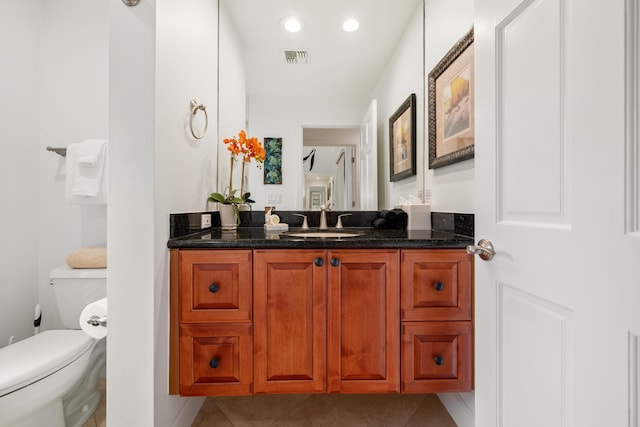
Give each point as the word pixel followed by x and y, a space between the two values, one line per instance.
pixel 212 306
pixel 247 321
pixel 436 294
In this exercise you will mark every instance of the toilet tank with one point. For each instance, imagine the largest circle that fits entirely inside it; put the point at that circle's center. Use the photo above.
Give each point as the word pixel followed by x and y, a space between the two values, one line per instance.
pixel 75 288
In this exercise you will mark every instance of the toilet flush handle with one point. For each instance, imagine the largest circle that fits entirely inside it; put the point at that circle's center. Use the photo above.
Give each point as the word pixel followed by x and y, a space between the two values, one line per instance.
pixel 96 320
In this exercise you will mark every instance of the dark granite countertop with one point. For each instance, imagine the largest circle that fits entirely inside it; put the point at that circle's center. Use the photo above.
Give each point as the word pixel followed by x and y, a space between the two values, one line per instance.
pixel 369 238
pixel 450 231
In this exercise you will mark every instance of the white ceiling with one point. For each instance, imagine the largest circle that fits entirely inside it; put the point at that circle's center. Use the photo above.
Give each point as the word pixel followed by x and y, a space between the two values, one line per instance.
pixel 340 63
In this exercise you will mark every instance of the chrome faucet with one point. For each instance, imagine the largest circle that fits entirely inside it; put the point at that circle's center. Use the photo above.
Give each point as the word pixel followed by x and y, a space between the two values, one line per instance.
pixel 323 218
pixel 339 223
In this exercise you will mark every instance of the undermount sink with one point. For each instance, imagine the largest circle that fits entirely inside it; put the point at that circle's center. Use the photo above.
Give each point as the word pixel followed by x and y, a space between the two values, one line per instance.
pixel 323 234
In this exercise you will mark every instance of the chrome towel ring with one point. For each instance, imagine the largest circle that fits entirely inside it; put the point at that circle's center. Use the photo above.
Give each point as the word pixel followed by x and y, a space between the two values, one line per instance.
pixel 194 110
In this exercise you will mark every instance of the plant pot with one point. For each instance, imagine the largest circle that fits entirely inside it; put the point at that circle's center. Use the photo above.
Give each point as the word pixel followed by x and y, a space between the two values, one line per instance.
pixel 229 218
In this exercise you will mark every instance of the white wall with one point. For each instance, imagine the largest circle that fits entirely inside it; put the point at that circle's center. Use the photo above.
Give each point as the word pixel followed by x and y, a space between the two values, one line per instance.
pixel 284 117
pixel 402 77
pixel 446 22
pixel 158 168
pixel 54 86
pixel 73 107
pixel 19 165
pixel 131 215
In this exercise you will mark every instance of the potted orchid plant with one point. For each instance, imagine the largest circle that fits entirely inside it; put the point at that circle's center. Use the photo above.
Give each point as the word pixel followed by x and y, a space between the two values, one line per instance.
pixel 241 149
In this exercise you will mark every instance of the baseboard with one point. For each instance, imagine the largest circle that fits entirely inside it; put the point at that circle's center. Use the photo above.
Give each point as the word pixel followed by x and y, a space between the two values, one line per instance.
pixel 459 409
pixel 188 411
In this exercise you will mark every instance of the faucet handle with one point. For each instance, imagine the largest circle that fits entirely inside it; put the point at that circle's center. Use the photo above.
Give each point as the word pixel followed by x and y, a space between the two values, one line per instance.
pixel 305 225
pixel 339 223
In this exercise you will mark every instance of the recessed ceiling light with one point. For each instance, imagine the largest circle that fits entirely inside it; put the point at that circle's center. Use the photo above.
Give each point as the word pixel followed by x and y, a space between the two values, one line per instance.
pixel 350 25
pixel 292 24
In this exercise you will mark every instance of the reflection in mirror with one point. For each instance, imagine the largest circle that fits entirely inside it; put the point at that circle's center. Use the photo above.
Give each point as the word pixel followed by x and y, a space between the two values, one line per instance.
pixel 284 85
pixel 329 167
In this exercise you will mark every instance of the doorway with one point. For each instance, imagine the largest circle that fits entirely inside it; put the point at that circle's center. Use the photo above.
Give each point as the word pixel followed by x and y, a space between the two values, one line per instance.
pixel 329 168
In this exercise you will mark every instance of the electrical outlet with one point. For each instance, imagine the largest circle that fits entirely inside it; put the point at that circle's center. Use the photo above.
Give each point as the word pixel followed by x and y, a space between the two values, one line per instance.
pixel 205 221
pixel 274 198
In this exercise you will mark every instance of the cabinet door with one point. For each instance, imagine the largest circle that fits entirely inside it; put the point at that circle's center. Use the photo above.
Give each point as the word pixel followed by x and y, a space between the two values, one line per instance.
pixel 290 321
pixel 436 357
pixel 215 285
pixel 364 321
pixel 436 285
pixel 215 359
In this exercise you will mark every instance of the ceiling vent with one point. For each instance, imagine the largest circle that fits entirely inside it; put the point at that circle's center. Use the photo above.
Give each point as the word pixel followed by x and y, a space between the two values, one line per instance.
pixel 296 56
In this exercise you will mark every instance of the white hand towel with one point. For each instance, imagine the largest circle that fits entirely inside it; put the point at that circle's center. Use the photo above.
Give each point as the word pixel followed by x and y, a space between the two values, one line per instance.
pixel 90 152
pixel 86 184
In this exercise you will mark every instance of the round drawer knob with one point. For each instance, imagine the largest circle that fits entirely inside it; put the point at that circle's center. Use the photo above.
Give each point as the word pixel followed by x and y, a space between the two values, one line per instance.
pixel 213 288
pixel 439 360
pixel 335 262
pixel 319 262
pixel 214 363
pixel 438 286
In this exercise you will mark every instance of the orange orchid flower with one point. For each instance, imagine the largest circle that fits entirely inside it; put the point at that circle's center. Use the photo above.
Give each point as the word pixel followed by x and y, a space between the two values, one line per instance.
pixel 243 149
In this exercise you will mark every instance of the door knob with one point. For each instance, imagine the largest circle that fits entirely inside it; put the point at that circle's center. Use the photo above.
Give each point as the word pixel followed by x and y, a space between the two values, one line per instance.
pixel 484 249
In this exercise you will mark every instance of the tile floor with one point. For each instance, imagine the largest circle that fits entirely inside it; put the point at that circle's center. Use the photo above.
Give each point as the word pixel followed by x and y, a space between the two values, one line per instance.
pixel 99 417
pixel 384 410
pixel 316 410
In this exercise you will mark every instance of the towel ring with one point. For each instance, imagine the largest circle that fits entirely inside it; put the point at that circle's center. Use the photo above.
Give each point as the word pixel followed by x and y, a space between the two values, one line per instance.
pixel 194 109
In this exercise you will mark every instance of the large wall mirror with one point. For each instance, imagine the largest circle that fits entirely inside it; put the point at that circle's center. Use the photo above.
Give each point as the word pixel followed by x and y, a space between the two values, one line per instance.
pixel 316 89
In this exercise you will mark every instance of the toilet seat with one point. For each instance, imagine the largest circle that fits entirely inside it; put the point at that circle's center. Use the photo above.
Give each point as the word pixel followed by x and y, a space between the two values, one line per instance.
pixel 36 357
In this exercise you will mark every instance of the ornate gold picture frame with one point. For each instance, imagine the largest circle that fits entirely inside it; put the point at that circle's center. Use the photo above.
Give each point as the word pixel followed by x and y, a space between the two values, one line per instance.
pixel 451 115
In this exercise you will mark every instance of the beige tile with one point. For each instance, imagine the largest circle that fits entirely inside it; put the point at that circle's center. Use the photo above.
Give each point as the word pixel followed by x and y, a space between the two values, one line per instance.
pixel 100 414
pixel 320 411
pixel 91 422
pixel 259 410
pixel 210 415
pixel 381 409
pixel 99 417
pixel 431 413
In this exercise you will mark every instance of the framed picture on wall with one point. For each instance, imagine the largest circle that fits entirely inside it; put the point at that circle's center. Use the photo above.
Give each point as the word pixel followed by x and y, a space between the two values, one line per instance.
pixel 451 115
pixel 316 199
pixel 402 140
pixel 273 161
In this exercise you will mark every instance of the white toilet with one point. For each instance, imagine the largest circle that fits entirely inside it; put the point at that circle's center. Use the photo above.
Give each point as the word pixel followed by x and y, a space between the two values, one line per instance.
pixel 50 379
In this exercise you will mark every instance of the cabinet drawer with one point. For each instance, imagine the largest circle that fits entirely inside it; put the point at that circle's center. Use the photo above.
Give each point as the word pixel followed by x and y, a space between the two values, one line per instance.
pixel 216 359
pixel 216 286
pixel 436 357
pixel 436 285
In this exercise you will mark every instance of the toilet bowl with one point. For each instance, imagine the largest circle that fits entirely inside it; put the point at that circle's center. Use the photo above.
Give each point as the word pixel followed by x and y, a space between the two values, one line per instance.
pixel 36 373
pixel 50 379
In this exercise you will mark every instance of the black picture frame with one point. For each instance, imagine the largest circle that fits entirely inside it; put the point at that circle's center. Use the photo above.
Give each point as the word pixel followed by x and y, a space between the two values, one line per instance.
pixel 402 140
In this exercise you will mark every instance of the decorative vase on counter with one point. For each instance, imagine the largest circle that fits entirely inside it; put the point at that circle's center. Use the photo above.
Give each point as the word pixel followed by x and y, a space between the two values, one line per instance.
pixel 229 217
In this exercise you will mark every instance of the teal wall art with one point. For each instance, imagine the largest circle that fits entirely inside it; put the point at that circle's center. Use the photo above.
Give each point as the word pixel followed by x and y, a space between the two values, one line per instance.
pixel 273 161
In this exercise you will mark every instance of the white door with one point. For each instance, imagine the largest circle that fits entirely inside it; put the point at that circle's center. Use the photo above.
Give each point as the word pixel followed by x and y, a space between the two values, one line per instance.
pixel 368 171
pixel 343 189
pixel 558 307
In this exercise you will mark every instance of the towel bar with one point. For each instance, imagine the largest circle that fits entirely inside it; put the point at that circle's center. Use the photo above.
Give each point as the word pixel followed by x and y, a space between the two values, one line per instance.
pixel 60 151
